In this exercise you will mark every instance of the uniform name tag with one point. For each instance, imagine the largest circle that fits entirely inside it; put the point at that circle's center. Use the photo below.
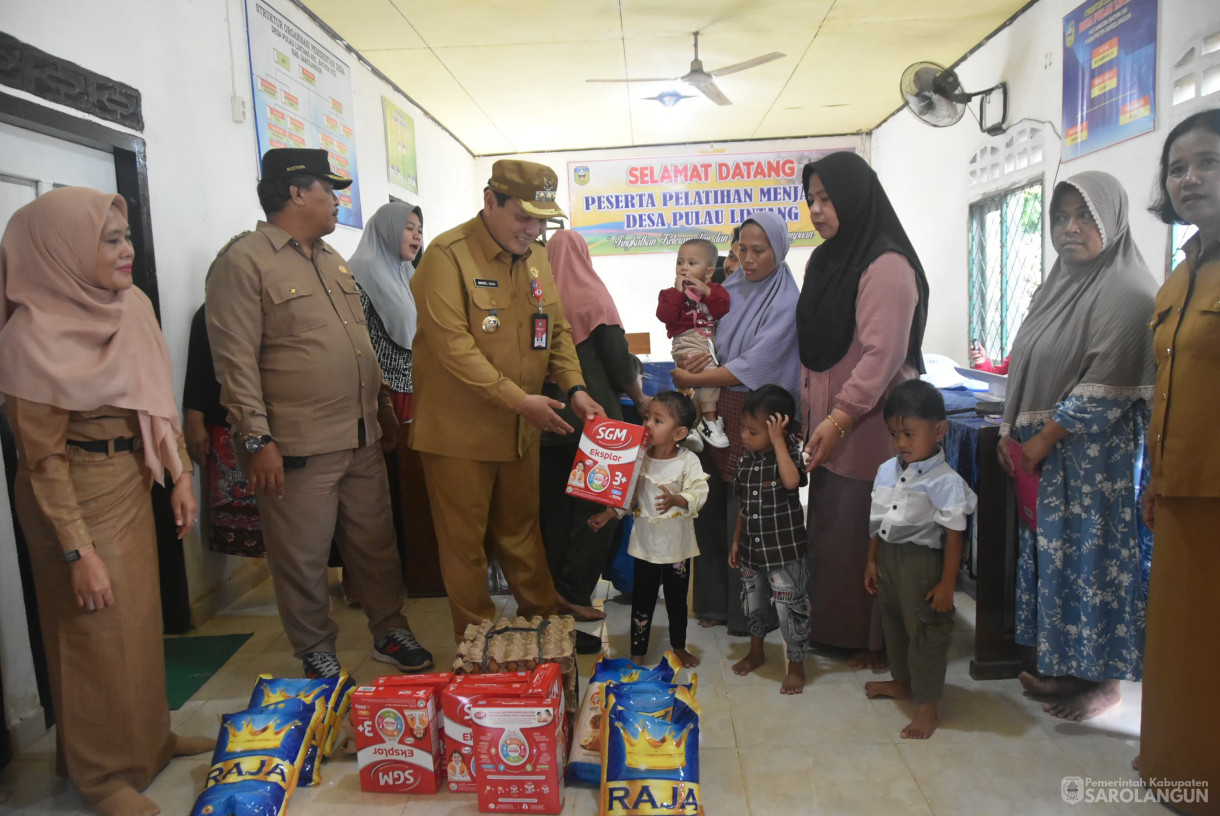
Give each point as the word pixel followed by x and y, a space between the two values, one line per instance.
pixel 483 283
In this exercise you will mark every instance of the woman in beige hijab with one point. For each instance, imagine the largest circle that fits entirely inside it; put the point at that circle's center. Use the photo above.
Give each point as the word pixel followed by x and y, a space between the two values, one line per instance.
pixel 87 384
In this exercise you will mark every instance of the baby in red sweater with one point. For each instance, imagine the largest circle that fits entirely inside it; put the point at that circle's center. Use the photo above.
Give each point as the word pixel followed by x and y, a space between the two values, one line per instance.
pixel 690 310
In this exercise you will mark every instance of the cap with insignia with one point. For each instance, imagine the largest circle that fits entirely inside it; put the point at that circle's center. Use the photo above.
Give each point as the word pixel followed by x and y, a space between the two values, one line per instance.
pixel 533 185
pixel 285 162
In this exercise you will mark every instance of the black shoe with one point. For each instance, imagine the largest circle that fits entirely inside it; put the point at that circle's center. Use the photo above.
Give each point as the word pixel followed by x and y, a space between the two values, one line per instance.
pixel 400 648
pixel 321 665
pixel 587 643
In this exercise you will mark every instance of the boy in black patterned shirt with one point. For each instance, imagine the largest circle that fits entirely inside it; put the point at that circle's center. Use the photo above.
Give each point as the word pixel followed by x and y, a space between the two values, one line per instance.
pixel 769 541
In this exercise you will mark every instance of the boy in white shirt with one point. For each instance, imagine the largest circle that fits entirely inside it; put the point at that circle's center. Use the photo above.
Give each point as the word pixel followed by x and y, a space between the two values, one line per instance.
pixel 917 520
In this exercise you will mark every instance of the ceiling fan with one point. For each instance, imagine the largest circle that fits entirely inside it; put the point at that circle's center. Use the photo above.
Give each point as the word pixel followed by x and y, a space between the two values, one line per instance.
pixel 701 80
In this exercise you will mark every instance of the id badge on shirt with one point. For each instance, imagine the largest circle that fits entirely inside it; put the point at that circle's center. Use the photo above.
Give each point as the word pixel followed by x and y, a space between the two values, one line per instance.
pixel 542 329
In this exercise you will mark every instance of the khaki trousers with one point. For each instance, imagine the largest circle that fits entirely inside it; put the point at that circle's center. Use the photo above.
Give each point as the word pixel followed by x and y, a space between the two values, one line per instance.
pixel 343 495
pixel 1180 723
pixel 468 498
pixel 916 637
pixel 107 668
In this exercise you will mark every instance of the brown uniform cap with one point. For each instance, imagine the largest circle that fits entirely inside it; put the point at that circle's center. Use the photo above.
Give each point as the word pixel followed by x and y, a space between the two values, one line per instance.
pixel 533 185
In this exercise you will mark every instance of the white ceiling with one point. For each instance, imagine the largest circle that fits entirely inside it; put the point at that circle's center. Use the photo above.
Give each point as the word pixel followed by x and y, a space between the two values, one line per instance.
pixel 508 76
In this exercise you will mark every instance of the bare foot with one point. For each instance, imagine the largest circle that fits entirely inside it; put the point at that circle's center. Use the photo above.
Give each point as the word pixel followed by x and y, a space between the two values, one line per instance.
pixel 1135 763
pixel 1064 686
pixel 794 683
pixel 1098 699
pixel 126 801
pixel 751 661
pixel 869 659
pixel 891 689
pixel 581 613
pixel 688 660
pixel 925 722
pixel 190 745
pixel 708 623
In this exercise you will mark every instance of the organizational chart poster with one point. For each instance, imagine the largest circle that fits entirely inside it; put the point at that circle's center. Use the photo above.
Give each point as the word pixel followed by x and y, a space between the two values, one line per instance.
pixel 302 97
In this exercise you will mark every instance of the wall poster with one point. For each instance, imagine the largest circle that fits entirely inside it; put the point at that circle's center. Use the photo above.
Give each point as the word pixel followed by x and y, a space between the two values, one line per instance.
pixel 302 98
pixel 644 205
pixel 399 146
pixel 1109 74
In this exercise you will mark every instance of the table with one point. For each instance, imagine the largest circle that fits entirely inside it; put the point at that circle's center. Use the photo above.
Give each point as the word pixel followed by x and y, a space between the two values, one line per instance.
pixel 970 448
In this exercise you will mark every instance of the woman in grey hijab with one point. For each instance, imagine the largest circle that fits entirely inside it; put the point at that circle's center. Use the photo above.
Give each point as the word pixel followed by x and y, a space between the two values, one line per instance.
pixel 383 264
pixel 1075 419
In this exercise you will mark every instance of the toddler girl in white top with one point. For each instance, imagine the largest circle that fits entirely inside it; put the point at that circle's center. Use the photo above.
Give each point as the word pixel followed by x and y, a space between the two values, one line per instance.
pixel 671 490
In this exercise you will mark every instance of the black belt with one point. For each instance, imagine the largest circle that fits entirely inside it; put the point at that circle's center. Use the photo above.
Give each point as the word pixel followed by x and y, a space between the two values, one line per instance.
pixel 106 445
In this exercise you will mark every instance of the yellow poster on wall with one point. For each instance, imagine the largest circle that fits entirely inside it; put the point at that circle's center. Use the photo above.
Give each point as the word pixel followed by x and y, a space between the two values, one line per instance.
pixel 399 146
pixel 642 205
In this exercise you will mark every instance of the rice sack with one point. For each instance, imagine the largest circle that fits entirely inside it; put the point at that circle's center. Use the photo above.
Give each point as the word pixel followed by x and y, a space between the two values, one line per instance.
pixel 585 758
pixel 650 764
pixel 335 692
pixel 257 758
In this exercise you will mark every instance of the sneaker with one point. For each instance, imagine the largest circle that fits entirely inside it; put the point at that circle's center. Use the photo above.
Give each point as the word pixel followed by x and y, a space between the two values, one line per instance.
pixel 694 441
pixel 321 664
pixel 401 649
pixel 713 433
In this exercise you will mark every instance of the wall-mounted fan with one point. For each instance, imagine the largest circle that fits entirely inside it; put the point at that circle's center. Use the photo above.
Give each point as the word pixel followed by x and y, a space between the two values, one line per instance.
pixel 702 81
pixel 935 95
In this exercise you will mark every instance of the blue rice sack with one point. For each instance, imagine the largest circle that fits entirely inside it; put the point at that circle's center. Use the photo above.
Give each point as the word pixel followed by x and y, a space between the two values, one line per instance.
pixel 650 764
pixel 257 759
pixel 585 756
pixel 336 692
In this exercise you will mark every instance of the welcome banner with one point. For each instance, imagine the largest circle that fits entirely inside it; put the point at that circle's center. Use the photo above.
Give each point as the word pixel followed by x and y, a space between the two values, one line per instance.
pixel 635 205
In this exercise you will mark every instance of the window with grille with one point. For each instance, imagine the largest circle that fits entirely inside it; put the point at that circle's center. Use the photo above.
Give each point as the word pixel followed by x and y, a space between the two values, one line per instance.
pixel 1005 265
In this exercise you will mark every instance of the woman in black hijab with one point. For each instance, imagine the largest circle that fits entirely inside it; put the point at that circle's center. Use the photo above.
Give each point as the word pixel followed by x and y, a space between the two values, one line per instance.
pixel 860 325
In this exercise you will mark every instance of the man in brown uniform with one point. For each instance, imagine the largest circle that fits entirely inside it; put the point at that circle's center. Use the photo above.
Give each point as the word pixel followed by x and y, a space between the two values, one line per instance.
pixel 491 329
pixel 300 380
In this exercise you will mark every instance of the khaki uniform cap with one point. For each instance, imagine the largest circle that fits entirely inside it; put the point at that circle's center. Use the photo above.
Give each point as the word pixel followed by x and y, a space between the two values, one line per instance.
pixel 533 185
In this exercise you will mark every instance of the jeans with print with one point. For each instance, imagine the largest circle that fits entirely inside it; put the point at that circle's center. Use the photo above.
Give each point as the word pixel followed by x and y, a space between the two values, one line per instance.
pixel 783 588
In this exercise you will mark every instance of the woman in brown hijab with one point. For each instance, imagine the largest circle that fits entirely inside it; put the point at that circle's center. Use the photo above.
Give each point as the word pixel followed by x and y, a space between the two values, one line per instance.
pixel 87 384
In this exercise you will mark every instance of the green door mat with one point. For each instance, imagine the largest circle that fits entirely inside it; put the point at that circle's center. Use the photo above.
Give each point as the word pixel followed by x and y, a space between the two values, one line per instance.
pixel 190 661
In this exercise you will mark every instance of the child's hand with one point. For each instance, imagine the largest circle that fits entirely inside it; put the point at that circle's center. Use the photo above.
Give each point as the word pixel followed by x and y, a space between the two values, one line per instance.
pixel 669 500
pixel 777 429
pixel 871 577
pixel 941 597
pixel 599 520
pixel 734 560
pixel 685 282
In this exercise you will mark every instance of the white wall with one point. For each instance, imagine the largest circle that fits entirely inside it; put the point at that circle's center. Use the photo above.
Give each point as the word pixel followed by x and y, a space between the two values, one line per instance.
pixel 634 280
pixel 202 167
pixel 924 169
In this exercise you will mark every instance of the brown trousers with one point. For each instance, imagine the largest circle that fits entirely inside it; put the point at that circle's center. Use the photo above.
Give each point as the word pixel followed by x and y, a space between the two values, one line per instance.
pixel 469 497
pixel 1180 721
pixel 342 495
pixel 107 667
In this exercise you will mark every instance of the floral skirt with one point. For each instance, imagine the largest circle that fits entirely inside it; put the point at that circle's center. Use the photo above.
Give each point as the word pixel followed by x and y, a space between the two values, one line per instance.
pixel 233 523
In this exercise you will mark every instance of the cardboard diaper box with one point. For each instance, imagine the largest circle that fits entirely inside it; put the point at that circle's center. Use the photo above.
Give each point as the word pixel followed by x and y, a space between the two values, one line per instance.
pixel 519 752
pixel 608 462
pixel 398 741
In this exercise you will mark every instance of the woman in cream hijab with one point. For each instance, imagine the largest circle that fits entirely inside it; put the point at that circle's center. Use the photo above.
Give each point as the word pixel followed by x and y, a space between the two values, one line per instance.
pixel 87 386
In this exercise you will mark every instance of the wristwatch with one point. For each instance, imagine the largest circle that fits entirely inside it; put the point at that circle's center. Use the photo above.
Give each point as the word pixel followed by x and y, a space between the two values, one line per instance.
pixel 572 391
pixel 254 444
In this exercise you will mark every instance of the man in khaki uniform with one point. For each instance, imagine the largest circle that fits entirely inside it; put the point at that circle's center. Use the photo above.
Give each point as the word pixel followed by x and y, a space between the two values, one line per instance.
pixel 301 383
pixel 491 329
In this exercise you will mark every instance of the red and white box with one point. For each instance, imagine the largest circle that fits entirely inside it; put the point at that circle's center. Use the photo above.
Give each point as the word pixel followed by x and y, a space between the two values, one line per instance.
pixel 398 745
pixel 608 462
pixel 518 746
pixel 460 768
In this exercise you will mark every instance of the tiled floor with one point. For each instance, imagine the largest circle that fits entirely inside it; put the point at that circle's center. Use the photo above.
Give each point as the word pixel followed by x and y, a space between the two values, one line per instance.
pixel 829 751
